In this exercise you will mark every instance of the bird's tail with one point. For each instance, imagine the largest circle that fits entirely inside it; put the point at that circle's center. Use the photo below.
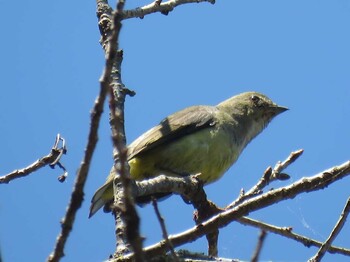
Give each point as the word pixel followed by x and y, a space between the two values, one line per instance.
pixel 102 196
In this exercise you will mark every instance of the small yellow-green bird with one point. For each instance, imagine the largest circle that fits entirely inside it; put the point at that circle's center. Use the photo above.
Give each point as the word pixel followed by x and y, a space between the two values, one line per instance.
pixel 198 139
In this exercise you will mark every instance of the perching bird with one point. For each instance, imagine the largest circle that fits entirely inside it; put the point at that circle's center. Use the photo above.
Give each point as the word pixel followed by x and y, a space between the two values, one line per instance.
pixel 198 139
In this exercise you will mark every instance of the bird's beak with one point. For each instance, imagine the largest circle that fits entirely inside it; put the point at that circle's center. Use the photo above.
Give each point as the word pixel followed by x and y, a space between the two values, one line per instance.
pixel 276 109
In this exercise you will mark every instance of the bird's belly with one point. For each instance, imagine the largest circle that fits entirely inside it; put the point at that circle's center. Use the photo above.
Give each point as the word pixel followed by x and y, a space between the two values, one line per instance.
pixel 208 152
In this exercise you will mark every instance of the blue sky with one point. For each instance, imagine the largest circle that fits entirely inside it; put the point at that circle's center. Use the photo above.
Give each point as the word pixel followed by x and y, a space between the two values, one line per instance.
pixel 296 52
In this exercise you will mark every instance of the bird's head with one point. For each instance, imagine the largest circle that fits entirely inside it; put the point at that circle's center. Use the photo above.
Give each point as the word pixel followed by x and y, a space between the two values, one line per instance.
pixel 252 112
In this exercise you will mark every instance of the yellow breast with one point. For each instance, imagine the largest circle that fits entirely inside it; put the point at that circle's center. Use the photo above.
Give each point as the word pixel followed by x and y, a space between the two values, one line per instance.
pixel 209 152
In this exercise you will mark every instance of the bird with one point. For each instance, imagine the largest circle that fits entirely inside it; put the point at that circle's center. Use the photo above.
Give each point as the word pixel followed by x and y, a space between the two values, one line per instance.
pixel 202 139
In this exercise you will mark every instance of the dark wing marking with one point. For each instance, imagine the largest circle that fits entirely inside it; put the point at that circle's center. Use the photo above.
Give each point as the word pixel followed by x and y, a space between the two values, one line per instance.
pixel 173 127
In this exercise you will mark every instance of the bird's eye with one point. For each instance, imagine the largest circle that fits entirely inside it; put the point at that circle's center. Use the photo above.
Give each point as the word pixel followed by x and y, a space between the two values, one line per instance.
pixel 255 99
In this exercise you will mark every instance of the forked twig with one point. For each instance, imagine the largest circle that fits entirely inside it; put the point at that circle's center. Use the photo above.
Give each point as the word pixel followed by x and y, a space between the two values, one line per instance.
pixel 52 159
pixel 268 176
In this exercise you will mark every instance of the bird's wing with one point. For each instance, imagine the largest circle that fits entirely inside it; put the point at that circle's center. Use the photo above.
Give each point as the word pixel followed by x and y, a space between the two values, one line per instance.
pixel 173 127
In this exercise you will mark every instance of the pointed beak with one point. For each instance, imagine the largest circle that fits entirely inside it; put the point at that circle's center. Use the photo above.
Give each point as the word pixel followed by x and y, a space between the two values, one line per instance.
pixel 276 109
pixel 281 109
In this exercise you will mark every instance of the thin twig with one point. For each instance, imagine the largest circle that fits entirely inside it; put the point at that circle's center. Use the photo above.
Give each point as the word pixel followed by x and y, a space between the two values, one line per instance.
pixel 51 159
pixel 158 6
pixel 254 191
pixel 164 230
pixel 288 233
pixel 336 230
pixel 77 195
pixel 280 166
pixel 269 175
pixel 306 184
pixel 259 245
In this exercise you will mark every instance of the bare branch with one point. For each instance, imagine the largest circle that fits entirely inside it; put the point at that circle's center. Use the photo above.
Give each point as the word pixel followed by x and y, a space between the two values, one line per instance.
pixel 157 6
pixel 187 186
pixel 306 184
pixel 261 239
pixel 77 195
pixel 280 166
pixel 336 230
pixel 268 176
pixel 111 79
pixel 105 23
pixel 187 255
pixel 164 230
pixel 287 232
pixel 51 159
pixel 191 190
pixel 255 190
